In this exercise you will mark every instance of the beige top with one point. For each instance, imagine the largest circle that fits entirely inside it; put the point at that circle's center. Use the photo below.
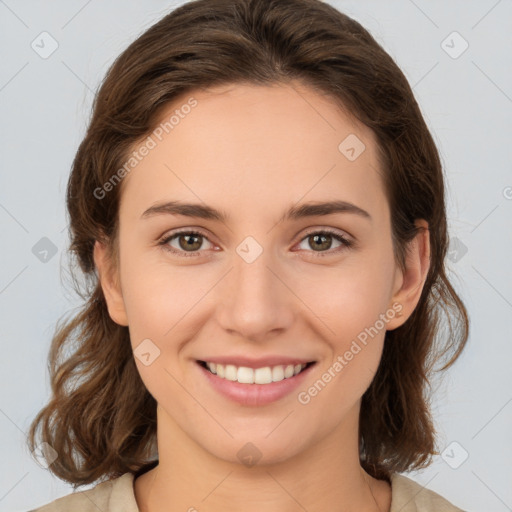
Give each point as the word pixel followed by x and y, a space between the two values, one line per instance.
pixel 117 495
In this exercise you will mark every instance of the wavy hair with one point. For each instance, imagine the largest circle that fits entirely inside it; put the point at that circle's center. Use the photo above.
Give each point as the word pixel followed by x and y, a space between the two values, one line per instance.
pixel 100 419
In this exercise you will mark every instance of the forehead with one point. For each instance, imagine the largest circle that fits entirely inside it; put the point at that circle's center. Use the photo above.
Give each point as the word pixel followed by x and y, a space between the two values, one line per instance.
pixel 253 146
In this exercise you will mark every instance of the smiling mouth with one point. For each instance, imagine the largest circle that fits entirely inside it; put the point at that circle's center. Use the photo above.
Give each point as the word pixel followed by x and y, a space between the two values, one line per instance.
pixel 264 375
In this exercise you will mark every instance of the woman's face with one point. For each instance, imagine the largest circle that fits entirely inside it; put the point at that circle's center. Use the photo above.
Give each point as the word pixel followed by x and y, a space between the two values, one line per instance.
pixel 260 283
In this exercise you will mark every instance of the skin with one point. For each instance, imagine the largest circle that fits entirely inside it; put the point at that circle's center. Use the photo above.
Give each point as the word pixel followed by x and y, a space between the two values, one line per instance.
pixel 252 152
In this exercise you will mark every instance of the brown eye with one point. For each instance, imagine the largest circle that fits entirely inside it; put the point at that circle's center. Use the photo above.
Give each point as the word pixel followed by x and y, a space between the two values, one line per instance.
pixel 321 241
pixel 189 243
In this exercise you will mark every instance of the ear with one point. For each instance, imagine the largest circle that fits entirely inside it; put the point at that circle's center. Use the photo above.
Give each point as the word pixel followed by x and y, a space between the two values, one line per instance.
pixel 409 283
pixel 110 283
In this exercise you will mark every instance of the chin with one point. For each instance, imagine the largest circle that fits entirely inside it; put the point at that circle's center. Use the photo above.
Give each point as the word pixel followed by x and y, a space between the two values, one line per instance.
pixel 259 449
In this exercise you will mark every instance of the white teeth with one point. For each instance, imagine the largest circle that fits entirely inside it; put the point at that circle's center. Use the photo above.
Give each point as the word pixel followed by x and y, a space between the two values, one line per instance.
pixel 245 375
pixel 230 372
pixel 277 373
pixel 264 375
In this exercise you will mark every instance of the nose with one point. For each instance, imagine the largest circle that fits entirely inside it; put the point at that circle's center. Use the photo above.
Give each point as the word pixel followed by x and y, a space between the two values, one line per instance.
pixel 255 300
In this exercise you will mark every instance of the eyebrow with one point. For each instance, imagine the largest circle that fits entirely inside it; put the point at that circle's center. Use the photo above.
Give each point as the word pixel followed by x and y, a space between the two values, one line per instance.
pixel 202 211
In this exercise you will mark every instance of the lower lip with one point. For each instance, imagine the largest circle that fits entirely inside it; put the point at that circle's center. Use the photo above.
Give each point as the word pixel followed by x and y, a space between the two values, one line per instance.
pixel 254 394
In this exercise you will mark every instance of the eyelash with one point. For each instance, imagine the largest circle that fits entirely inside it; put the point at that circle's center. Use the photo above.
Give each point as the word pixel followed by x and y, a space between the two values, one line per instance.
pixel 346 243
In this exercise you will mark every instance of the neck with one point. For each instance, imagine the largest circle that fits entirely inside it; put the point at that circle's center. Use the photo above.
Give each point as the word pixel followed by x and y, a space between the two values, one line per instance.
pixel 190 478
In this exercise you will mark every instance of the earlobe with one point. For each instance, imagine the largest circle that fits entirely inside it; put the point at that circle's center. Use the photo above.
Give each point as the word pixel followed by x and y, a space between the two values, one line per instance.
pixel 412 279
pixel 108 277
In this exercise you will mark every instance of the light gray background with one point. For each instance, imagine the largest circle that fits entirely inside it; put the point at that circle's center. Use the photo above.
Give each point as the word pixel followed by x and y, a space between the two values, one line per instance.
pixel 467 103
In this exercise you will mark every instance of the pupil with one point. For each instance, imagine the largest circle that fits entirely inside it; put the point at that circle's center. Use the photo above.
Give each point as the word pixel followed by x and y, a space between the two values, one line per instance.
pixel 189 244
pixel 326 245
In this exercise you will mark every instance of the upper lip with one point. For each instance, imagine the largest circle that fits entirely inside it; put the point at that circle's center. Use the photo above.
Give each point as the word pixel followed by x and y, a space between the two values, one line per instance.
pixel 256 363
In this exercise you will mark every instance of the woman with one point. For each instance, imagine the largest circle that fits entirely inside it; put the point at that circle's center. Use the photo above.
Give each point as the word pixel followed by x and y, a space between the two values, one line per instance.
pixel 259 209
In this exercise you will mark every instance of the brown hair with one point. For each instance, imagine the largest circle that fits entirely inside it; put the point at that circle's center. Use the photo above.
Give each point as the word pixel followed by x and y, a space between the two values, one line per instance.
pixel 101 419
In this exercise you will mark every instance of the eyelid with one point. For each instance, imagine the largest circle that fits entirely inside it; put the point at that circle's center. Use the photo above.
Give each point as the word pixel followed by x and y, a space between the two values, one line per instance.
pixel 167 237
pixel 332 231
pixel 346 241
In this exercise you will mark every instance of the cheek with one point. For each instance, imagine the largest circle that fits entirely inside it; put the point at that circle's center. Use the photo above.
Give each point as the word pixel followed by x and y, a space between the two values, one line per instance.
pixel 158 300
pixel 345 298
pixel 352 304
pixel 157 293
pixel 354 337
pixel 350 297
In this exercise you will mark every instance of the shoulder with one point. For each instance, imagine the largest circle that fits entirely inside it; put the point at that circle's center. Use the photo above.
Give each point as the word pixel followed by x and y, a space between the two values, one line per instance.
pixel 410 496
pixel 115 495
